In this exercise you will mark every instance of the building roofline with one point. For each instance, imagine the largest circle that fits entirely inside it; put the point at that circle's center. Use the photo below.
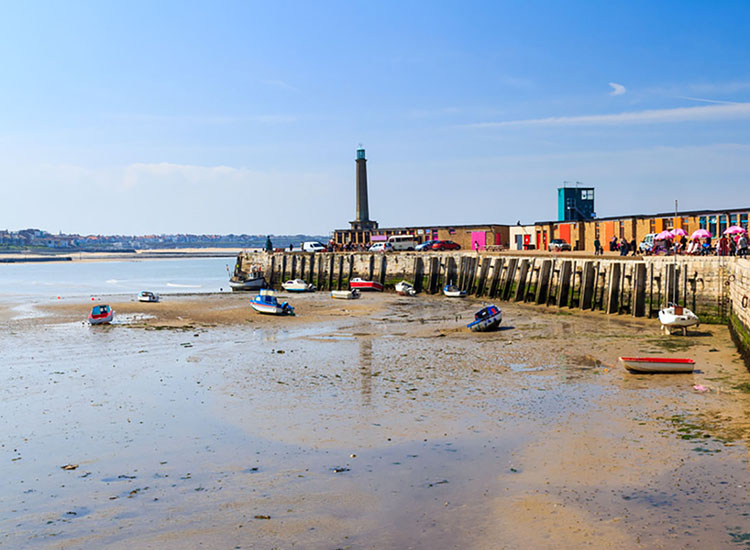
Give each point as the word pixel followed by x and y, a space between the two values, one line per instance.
pixel 463 226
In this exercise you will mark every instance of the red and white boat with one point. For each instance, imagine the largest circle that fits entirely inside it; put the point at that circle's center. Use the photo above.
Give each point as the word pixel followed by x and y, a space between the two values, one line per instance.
pixel 101 315
pixel 657 364
pixel 361 284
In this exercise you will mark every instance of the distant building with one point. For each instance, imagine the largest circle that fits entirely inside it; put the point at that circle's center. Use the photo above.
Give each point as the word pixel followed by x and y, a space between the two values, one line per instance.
pixel 575 204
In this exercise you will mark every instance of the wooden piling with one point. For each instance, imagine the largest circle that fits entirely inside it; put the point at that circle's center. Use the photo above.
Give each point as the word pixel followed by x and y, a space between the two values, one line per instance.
pixel 350 269
pixel 497 271
pixel 542 281
pixel 613 288
pixel 383 268
pixel 434 275
pixel 482 281
pixel 510 275
pixel 371 270
pixel 418 274
pixel 521 286
pixel 587 286
pixel 283 268
pixel 563 284
pixel 639 287
pixel 341 272
pixel 331 263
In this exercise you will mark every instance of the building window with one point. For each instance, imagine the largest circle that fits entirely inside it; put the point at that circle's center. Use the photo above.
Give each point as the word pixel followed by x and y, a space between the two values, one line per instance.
pixel 702 222
pixel 743 221
pixel 722 225
pixel 652 225
pixel 712 225
pixel 622 230
pixel 596 230
pixel 732 219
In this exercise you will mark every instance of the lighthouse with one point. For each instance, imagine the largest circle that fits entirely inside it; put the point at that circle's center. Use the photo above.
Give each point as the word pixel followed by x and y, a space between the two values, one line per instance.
pixel 362 224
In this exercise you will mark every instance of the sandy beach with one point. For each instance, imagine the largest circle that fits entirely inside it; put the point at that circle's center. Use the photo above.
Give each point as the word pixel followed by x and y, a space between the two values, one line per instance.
pixel 377 423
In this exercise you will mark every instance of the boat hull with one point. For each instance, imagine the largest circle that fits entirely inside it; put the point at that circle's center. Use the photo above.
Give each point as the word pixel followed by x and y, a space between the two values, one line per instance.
pixel 670 319
pixel 250 284
pixel 405 289
pixel 297 286
pixel 102 320
pixel 345 294
pixel 268 309
pixel 359 284
pixel 658 364
pixel 485 325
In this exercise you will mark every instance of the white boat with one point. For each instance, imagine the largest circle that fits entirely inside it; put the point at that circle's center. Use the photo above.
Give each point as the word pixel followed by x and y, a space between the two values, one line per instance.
pixel 101 315
pixel 146 296
pixel 486 319
pixel 252 280
pixel 352 294
pixel 405 289
pixel 266 302
pixel 452 291
pixel 676 317
pixel 297 285
pixel 657 364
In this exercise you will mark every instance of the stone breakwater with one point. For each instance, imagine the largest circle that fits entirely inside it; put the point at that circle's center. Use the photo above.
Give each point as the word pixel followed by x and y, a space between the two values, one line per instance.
pixel 716 288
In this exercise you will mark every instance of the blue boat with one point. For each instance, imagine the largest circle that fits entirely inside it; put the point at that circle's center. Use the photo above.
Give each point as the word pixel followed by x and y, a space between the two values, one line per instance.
pixel 266 302
pixel 487 318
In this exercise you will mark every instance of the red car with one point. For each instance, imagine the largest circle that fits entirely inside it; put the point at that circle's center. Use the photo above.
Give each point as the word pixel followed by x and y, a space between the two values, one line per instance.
pixel 445 245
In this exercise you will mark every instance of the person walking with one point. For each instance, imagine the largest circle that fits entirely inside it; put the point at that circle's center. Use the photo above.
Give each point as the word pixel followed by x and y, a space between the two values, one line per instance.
pixel 633 247
pixel 597 247
pixel 742 246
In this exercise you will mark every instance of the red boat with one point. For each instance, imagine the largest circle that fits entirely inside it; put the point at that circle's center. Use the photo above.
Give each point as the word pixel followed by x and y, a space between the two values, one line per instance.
pixel 657 364
pixel 101 315
pixel 361 284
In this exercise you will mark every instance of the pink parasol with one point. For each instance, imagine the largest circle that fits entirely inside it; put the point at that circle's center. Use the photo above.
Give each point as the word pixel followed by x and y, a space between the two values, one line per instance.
pixel 734 230
pixel 701 234
pixel 679 232
pixel 664 235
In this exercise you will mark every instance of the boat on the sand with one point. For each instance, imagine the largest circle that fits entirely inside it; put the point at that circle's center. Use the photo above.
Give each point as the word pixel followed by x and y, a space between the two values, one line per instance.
pixel 452 291
pixel 101 315
pixel 352 294
pixel 248 280
pixel 676 317
pixel 146 296
pixel 266 302
pixel 297 285
pixel 361 284
pixel 405 289
pixel 486 319
pixel 657 364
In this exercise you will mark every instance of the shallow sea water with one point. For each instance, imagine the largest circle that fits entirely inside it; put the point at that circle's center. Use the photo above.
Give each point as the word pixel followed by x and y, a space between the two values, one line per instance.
pixel 376 432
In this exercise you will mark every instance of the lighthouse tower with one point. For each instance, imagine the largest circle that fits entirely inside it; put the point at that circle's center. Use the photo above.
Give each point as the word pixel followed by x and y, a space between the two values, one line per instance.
pixel 362 224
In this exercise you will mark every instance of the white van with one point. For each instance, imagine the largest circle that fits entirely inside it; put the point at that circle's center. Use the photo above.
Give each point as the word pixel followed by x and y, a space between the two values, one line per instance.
pixel 313 246
pixel 402 242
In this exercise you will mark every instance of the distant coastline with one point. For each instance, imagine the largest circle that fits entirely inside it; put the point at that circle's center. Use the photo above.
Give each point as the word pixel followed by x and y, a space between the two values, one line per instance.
pixel 150 254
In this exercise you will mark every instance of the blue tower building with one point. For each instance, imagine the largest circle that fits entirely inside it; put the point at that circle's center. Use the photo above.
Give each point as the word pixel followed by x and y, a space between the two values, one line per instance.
pixel 575 204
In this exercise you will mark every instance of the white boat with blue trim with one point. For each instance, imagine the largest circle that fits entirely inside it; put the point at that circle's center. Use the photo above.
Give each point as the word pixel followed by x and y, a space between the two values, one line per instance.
pixel 486 319
pixel 266 302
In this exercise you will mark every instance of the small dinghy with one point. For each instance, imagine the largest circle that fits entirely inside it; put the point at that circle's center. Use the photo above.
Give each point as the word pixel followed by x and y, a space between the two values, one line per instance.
pixel 676 317
pixel 266 302
pixel 405 289
pixel 657 364
pixel 297 285
pixel 452 291
pixel 352 294
pixel 486 319
pixel 146 296
pixel 361 284
pixel 101 315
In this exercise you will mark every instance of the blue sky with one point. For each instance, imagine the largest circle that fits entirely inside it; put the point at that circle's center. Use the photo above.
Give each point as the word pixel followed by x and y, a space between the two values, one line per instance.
pixel 151 117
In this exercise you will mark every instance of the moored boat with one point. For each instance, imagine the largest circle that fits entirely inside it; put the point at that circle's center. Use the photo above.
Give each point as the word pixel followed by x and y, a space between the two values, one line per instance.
pixel 352 294
pixel 486 319
pixel 405 289
pixel 252 280
pixel 101 315
pixel 676 317
pixel 657 364
pixel 146 296
pixel 452 291
pixel 297 285
pixel 266 302
pixel 361 284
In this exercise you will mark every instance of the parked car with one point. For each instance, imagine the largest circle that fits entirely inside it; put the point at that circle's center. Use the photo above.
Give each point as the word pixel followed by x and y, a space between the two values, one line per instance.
pixel 647 243
pixel 381 247
pixel 445 245
pixel 558 245
pixel 313 246
pixel 427 245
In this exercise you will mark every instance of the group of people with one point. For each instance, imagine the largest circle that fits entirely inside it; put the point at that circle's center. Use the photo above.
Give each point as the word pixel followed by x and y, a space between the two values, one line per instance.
pixel 727 245
pixel 622 246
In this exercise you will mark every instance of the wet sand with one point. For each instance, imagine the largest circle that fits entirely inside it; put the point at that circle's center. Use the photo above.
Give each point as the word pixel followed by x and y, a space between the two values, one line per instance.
pixel 378 423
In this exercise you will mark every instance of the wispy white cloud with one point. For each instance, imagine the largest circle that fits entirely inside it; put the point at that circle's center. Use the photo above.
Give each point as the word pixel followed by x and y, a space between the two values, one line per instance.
pixel 617 89
pixel 280 84
pixel 730 111
pixel 704 100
